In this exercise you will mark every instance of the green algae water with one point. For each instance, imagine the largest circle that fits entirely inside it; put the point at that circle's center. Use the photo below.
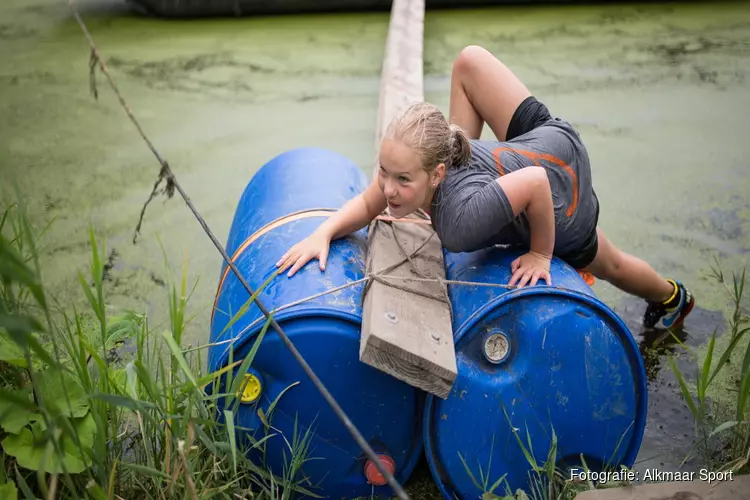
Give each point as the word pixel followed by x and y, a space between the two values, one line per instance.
pixel 660 94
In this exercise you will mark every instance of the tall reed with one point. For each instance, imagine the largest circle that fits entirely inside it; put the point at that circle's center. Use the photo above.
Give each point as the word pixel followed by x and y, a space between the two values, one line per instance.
pixel 81 417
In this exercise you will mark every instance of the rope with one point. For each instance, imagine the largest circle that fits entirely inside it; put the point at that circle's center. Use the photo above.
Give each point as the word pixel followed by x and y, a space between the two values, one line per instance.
pixel 367 279
pixel 171 184
pixel 406 258
pixel 381 278
pixel 377 277
pixel 442 286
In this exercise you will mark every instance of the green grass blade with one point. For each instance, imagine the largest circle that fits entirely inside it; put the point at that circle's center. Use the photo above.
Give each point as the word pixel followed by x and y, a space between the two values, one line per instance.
pixel 744 394
pixel 723 427
pixel 703 382
pixel 230 377
pixel 685 392
pixel 87 290
pixel 237 382
pixel 552 457
pixel 728 353
pixel 531 454
pixel 468 471
pixel 247 304
pixel 179 358
pixel 739 287
pixel 273 404
pixel 23 486
pixel 497 483
pixel 124 402
pixel 144 377
pixel 204 380
pixel 231 433
pixel 259 442
pixel 147 471
pixel 746 361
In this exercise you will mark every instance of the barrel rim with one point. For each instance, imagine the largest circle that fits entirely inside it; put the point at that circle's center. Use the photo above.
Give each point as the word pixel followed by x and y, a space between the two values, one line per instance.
pixel 630 344
pixel 259 233
pixel 293 313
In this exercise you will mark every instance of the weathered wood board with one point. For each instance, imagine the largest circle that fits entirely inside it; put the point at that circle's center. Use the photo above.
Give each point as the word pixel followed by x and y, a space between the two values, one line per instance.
pixel 406 333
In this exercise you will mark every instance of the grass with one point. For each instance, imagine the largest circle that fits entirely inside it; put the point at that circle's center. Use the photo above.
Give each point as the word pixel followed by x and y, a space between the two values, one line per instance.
pixel 82 418
pixel 547 480
pixel 79 421
pixel 722 438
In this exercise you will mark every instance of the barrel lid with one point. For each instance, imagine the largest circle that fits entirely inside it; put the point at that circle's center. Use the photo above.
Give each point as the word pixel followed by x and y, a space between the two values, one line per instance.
pixel 540 369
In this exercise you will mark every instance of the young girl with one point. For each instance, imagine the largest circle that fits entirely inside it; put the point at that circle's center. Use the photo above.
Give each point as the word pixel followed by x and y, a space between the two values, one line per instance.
pixel 532 187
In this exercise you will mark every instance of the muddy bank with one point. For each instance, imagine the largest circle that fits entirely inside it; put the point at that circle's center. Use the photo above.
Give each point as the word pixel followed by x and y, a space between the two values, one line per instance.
pixel 658 92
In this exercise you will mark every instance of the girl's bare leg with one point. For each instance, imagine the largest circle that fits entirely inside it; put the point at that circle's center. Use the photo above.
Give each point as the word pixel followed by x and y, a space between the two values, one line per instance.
pixel 628 273
pixel 483 90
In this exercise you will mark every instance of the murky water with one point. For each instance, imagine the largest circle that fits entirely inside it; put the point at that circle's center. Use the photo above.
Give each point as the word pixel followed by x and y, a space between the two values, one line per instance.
pixel 660 94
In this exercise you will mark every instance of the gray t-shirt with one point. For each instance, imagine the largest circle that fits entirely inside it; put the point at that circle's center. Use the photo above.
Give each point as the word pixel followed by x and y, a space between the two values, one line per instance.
pixel 471 211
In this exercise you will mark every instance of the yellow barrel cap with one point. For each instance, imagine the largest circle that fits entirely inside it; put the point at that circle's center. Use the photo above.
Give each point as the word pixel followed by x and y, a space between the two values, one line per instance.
pixel 252 388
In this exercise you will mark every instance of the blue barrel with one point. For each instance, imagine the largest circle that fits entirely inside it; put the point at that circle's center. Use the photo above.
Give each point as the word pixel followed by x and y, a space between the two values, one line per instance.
pixel 531 361
pixel 286 200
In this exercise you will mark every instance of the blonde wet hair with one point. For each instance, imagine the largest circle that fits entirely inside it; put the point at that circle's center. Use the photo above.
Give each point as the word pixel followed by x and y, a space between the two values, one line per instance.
pixel 424 127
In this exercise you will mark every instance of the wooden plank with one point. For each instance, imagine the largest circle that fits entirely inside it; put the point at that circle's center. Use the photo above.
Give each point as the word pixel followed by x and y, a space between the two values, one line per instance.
pixel 406 331
pixel 402 78
pixel 736 488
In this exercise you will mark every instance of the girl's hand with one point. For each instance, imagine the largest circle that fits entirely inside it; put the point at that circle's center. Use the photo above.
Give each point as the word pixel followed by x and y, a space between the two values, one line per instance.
pixel 529 268
pixel 314 246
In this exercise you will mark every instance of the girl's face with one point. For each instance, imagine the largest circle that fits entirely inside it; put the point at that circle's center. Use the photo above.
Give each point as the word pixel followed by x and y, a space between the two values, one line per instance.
pixel 406 185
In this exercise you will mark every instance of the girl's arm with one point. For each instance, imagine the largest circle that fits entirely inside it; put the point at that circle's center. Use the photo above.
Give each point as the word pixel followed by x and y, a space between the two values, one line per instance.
pixel 471 215
pixel 528 190
pixel 354 215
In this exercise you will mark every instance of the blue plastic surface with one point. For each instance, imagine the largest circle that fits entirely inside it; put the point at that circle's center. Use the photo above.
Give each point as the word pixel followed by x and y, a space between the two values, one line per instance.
pixel 326 331
pixel 572 366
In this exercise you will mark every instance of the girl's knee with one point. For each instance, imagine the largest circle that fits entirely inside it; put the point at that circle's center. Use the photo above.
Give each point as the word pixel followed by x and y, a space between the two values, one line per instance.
pixel 470 58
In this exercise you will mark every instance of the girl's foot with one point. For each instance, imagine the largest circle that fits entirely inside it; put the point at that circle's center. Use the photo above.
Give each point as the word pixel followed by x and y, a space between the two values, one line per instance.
pixel 673 311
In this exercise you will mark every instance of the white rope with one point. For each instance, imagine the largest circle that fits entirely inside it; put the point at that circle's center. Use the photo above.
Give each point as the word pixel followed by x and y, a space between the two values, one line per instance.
pixel 355 283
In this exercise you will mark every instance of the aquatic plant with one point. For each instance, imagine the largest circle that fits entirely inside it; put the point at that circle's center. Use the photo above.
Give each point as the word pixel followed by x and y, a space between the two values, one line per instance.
pixel 722 440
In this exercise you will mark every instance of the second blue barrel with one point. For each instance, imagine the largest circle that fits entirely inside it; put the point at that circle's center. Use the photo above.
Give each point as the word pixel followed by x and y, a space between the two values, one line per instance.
pixel 285 201
pixel 535 365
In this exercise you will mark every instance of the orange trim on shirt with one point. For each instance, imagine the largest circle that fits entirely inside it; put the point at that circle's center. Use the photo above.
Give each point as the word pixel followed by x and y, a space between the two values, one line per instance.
pixel 535 157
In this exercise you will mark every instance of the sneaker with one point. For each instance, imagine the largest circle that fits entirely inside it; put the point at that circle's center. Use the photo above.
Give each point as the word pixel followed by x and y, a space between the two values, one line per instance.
pixel 672 312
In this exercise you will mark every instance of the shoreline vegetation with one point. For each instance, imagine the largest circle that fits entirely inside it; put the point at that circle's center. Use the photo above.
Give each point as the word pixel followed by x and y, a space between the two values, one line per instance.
pixel 82 417
pixel 99 403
